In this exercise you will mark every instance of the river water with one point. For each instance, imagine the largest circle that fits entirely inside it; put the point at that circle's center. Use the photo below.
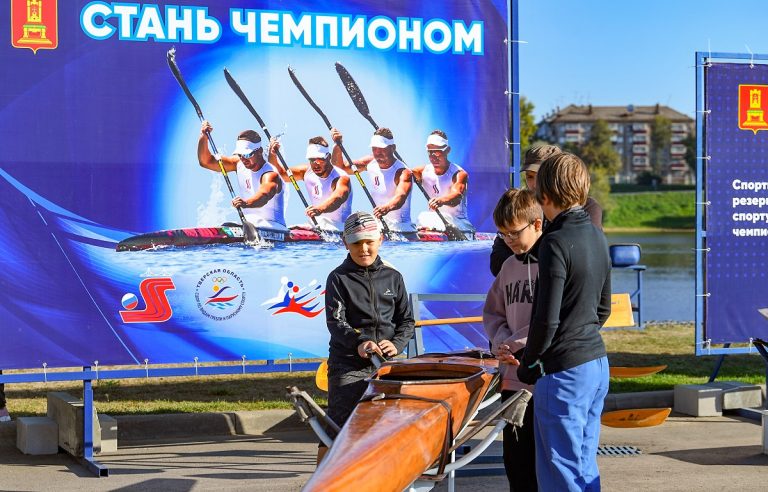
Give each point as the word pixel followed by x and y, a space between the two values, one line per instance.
pixel 668 283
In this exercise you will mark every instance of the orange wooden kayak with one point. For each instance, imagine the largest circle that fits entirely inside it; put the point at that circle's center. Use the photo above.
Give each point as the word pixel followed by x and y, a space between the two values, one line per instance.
pixel 410 413
pixel 636 417
pixel 634 372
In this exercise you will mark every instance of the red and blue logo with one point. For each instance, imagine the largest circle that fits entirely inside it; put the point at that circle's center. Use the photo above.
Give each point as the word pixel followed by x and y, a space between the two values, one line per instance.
pixel 157 309
pixel 291 298
pixel 220 294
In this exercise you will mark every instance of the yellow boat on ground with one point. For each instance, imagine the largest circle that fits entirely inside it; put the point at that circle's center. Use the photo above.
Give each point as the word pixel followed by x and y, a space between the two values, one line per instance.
pixel 635 417
pixel 635 372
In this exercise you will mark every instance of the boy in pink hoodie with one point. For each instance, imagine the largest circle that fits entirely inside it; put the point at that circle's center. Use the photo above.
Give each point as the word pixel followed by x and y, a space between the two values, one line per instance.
pixel 506 316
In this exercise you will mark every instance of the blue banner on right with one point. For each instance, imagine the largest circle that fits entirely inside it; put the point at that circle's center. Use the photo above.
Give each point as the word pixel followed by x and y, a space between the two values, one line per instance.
pixel 736 187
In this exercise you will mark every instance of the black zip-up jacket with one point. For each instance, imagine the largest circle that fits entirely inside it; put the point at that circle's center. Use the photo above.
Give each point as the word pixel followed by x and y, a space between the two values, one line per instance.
pixel 362 304
pixel 572 298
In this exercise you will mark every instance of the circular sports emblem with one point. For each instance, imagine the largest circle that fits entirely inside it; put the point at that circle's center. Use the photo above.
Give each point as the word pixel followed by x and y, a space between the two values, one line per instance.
pixel 220 294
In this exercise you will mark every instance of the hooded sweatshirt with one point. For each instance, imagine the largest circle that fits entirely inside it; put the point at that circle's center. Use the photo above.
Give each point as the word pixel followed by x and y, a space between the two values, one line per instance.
pixel 507 311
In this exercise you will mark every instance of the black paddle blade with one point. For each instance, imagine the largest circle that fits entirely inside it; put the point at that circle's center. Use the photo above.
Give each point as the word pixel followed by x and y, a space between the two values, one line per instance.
pixel 454 234
pixel 241 95
pixel 250 233
pixel 292 74
pixel 171 58
pixel 353 89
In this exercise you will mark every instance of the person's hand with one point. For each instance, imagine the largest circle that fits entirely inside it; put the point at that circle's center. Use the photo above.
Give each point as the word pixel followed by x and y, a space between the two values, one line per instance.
pixel 388 348
pixel 239 202
pixel 380 212
pixel 504 354
pixel 336 135
pixel 313 211
pixel 206 127
pixel 364 349
pixel 434 203
pixel 274 145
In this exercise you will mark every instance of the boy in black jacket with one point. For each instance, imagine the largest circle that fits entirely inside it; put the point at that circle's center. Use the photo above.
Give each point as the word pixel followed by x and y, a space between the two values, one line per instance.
pixel 565 356
pixel 366 310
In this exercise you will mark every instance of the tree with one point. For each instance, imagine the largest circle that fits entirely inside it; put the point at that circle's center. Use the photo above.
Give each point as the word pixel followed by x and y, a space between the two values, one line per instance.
pixel 602 160
pixel 690 152
pixel 661 139
pixel 598 152
pixel 527 123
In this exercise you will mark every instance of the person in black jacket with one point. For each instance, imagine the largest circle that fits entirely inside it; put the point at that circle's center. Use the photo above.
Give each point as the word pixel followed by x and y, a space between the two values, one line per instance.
pixel 367 311
pixel 531 164
pixel 565 356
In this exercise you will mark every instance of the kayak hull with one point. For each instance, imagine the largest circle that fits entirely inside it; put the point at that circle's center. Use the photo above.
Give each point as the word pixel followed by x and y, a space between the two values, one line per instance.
pixel 232 233
pixel 411 410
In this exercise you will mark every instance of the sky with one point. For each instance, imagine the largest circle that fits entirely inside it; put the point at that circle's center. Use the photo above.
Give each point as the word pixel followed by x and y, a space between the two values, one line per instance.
pixel 617 52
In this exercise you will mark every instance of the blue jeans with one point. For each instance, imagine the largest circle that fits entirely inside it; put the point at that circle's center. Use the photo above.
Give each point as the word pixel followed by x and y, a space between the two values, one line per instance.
pixel 567 423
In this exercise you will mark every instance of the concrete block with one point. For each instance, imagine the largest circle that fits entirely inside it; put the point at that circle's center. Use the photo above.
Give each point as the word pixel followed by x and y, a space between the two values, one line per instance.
pixel 108 441
pixel 739 395
pixel 37 435
pixel 699 400
pixel 765 431
pixel 67 411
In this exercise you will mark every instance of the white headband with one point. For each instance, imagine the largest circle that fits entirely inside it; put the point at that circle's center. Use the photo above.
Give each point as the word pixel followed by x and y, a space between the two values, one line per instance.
pixel 437 141
pixel 317 151
pixel 246 147
pixel 381 142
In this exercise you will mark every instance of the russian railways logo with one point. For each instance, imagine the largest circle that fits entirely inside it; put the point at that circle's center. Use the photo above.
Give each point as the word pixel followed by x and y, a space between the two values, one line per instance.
pixel 291 298
pixel 220 294
pixel 156 306
pixel 34 24
pixel 753 104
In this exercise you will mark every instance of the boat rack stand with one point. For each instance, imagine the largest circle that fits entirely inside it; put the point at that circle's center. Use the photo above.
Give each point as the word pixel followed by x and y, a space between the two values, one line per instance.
pixel 508 413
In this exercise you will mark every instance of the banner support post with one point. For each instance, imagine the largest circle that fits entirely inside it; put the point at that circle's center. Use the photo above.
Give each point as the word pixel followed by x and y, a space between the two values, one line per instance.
pixel 88 412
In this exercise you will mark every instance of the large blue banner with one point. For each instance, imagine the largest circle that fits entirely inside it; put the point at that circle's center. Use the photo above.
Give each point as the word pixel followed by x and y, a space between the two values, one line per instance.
pixel 736 186
pixel 100 145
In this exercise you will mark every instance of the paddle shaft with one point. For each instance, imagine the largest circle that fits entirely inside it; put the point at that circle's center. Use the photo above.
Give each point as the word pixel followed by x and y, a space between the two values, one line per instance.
pixel 171 57
pixel 343 150
pixel 362 106
pixel 240 94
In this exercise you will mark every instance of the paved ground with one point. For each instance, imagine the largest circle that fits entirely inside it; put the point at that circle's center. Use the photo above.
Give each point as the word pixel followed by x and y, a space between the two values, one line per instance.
pixel 683 454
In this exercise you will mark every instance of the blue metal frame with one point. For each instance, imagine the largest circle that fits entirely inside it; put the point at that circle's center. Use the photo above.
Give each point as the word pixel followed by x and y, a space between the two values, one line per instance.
pixel 513 46
pixel 703 60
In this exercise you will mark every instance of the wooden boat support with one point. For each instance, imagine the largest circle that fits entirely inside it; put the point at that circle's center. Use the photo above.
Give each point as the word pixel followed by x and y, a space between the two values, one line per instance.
pixel 409 415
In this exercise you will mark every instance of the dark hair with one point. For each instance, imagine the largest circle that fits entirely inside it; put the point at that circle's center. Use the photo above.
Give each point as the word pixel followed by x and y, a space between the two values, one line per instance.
pixel 539 153
pixel 249 135
pixel 384 132
pixel 440 132
pixel 564 179
pixel 516 205
pixel 318 141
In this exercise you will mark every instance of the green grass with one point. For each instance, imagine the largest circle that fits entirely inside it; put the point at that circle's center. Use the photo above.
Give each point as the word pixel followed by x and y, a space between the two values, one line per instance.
pixel 172 395
pixel 671 344
pixel 659 210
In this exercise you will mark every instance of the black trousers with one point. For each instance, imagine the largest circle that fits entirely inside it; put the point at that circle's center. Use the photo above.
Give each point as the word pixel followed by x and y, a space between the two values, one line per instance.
pixel 520 451
pixel 346 386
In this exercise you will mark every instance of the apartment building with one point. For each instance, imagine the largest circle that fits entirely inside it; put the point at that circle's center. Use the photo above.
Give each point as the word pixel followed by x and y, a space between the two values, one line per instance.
pixel 631 126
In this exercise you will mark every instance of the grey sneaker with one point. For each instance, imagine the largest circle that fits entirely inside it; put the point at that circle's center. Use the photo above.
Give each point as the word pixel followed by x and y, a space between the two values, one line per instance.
pixel 4 416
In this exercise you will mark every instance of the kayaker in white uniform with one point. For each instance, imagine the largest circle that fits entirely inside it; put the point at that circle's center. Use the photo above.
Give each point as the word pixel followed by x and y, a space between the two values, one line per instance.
pixel 261 189
pixel 389 180
pixel 446 184
pixel 328 189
